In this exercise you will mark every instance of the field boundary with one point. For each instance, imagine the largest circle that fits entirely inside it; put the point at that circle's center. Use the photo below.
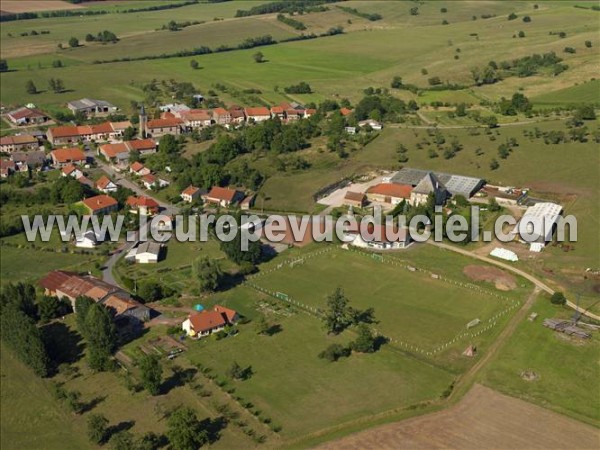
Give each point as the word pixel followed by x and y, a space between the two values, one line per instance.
pixel 489 323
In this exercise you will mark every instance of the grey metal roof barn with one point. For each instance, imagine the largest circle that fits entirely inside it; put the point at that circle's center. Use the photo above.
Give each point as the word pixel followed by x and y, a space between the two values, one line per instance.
pixel 455 184
pixel 88 105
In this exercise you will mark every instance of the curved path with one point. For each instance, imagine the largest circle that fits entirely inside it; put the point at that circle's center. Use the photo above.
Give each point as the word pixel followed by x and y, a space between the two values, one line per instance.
pixel 540 284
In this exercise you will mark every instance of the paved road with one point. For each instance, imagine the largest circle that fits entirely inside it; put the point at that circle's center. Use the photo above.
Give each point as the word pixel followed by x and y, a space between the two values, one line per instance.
pixel 540 284
pixel 167 208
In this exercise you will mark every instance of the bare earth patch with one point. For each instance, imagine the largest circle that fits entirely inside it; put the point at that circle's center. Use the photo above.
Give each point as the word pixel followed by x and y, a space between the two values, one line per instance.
pixel 502 280
pixel 21 6
pixel 483 419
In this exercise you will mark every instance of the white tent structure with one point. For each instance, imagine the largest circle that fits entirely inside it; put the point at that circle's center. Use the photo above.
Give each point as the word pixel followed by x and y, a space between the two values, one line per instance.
pixel 505 254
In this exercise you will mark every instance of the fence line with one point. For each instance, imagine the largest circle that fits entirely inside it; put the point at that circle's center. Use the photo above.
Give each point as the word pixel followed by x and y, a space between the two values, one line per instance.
pixel 316 312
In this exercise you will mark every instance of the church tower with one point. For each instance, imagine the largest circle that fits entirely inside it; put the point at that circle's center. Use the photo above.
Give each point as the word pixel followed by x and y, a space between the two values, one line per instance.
pixel 143 122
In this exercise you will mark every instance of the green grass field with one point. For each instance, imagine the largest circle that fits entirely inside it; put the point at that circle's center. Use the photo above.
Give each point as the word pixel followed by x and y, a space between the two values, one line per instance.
pixel 384 48
pixel 410 306
pixel 31 418
pixel 567 368
pixel 306 394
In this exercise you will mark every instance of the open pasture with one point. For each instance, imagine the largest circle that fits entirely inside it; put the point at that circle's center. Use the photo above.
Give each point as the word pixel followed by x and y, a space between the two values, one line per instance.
pixel 411 307
pixel 303 393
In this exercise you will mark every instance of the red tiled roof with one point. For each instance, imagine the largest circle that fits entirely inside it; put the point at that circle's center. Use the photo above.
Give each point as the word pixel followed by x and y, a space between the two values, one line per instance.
pixel 136 202
pixel 354 196
pixel 195 114
pixel 68 154
pixel 220 193
pixel 103 182
pixel 120 304
pixel 55 279
pixel 112 150
pixel 277 110
pixel 68 169
pixel 23 113
pixel 99 202
pixel 220 112
pixel 137 166
pixel 228 313
pixel 190 190
pixel 59 132
pixel 258 111
pixel 310 111
pixel 103 128
pixel 206 321
pixel 18 139
pixel 236 113
pixel 391 189
pixel 149 178
pixel 164 123
pixel 345 111
pixel 141 144
pixel 5 165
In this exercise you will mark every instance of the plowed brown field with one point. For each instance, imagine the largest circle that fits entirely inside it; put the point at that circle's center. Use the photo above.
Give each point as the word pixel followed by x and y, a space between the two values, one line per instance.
pixel 483 419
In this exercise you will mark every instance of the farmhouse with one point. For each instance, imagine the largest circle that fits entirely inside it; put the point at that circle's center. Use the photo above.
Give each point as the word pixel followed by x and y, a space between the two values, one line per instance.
pixel 137 168
pixel 90 107
pixel 100 132
pixel 116 153
pixel 345 112
pixel 27 116
pixel 87 240
pixel 454 184
pixel 223 196
pixel 221 116
pixel 390 193
pixel 25 160
pixel 190 194
pixel 539 221
pixel 19 142
pixel 71 170
pixel 148 252
pixel 119 153
pixel 67 156
pixel 144 206
pixel 100 204
pixel 160 127
pixel 389 238
pixel 257 114
pixel 127 313
pixel 429 184
pixel 144 146
pixel 237 115
pixel 204 323
pixel 247 203
pixel 196 118
pixel 355 199
pixel 106 185
pixel 7 168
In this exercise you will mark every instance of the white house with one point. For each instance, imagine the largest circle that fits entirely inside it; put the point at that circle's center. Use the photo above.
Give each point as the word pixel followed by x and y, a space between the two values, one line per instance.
pixel 205 323
pixel 71 171
pixel 87 240
pixel 148 252
pixel 106 185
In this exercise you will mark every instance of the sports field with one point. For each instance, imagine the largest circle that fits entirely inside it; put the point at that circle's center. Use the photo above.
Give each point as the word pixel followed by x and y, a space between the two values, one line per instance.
pixel 411 307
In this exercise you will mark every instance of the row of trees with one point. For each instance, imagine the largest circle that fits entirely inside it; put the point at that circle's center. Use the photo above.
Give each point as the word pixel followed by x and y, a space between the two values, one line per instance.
pixel 56 85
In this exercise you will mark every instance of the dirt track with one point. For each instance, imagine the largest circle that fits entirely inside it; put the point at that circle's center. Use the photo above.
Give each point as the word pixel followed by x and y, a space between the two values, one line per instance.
pixel 483 419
